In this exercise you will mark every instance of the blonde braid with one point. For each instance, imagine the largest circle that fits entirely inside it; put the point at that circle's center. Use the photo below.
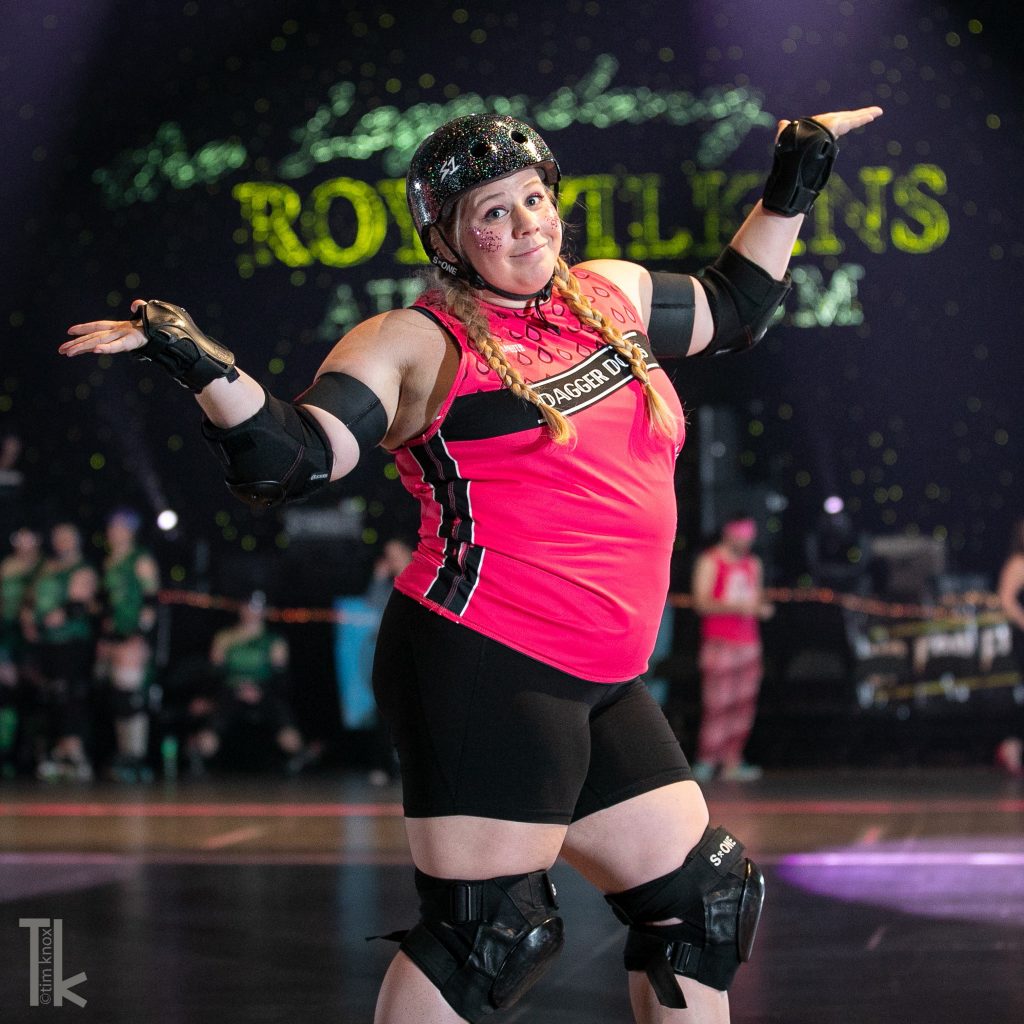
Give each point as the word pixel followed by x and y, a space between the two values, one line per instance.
pixel 661 417
pixel 460 301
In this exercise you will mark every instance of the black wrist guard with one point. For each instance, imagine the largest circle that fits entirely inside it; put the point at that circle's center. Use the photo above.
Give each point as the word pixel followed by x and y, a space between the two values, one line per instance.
pixel 176 345
pixel 804 155
pixel 743 298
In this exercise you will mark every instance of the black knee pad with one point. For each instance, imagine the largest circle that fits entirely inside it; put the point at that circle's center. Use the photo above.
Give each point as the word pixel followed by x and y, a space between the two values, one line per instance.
pixel 127 703
pixel 717 894
pixel 483 944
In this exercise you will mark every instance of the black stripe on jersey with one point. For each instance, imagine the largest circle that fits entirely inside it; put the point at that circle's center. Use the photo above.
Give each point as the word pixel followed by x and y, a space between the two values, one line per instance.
pixel 451 492
pixel 458 574
pixel 496 413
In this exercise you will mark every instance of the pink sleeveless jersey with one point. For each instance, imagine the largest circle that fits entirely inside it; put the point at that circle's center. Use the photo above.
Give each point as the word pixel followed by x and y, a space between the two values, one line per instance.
pixel 560 552
pixel 734 581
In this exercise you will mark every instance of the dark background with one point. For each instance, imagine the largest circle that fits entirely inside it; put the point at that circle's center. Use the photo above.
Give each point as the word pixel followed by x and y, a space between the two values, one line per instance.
pixel 126 127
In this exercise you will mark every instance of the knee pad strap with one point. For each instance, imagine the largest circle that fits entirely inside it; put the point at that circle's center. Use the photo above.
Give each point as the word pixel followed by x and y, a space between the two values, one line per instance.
pixel 717 894
pixel 485 943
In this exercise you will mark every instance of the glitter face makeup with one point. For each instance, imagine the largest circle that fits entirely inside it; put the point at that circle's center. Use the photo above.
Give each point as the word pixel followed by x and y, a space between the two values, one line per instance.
pixel 487 239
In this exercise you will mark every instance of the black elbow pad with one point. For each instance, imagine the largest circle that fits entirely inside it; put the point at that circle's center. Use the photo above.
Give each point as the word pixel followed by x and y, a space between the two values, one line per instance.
pixel 743 298
pixel 280 454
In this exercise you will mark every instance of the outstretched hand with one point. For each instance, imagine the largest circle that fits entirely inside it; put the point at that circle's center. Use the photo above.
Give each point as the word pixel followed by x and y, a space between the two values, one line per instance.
pixel 839 122
pixel 104 337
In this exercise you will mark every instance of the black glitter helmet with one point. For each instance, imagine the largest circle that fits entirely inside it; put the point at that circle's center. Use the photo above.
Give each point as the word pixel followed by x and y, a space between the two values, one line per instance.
pixel 460 155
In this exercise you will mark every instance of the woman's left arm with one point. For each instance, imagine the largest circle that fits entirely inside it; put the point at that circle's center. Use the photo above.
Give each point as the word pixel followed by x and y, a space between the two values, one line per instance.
pixel 767 238
pixel 728 307
pixel 738 297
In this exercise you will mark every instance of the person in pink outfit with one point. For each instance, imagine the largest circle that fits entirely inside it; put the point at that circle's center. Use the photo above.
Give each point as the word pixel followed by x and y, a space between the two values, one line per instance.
pixel 728 594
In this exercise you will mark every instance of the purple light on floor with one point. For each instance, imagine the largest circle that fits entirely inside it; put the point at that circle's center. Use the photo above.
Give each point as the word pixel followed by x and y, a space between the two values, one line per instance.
pixel 34 875
pixel 976 878
pixel 903 859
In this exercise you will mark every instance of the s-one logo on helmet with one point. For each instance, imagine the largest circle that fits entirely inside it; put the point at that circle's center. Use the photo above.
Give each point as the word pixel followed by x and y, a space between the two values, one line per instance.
pixel 448 167
pixel 445 265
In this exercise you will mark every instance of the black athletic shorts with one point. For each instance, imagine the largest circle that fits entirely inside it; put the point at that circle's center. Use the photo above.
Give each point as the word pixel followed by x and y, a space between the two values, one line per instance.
pixel 484 730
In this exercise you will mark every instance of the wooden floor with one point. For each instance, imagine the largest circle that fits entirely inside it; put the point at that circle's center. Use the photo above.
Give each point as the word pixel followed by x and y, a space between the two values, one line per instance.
pixel 894 897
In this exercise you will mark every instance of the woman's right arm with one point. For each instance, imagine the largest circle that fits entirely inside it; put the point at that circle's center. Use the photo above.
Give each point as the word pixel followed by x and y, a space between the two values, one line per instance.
pixel 276 451
pixel 226 403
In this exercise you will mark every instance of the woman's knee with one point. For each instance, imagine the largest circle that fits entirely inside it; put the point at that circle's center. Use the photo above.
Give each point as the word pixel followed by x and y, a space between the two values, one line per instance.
pixel 698 921
pixel 488 924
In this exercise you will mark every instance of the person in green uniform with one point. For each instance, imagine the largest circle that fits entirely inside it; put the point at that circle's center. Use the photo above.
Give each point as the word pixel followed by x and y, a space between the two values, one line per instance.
pixel 57 620
pixel 16 573
pixel 131 580
pixel 252 661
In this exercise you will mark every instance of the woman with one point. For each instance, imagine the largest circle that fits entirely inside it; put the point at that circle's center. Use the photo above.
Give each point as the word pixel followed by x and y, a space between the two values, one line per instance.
pixel 1011 584
pixel 129 586
pixel 728 595
pixel 539 435
pixel 252 663
pixel 57 621
pixel 17 570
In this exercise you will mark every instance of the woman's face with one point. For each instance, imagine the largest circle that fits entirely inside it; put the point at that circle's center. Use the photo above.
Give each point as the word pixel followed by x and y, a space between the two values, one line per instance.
pixel 510 231
pixel 64 540
pixel 25 541
pixel 120 532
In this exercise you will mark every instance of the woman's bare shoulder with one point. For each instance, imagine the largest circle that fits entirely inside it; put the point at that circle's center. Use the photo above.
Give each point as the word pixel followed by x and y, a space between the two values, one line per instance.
pixel 399 337
pixel 394 326
pixel 630 278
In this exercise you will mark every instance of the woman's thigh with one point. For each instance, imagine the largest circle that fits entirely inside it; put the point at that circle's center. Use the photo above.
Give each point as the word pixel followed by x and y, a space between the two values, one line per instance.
pixel 500 752
pixel 638 839
pixel 470 848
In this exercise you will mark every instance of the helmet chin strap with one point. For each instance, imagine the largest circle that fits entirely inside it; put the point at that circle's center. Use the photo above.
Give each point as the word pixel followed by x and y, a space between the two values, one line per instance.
pixel 480 283
pixel 476 280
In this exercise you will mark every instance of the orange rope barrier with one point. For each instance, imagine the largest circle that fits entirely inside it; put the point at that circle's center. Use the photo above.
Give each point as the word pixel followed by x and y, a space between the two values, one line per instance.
pixel 197 599
pixel 949 610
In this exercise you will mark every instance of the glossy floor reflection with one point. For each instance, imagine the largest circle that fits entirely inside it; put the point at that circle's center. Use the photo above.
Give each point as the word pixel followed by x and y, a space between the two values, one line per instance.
pixel 893 897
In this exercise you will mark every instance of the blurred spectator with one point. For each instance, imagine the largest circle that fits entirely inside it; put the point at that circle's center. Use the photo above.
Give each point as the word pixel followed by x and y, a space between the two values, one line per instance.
pixel 355 642
pixel 728 594
pixel 1011 584
pixel 253 665
pixel 12 512
pixel 57 622
pixel 16 573
pixel 130 584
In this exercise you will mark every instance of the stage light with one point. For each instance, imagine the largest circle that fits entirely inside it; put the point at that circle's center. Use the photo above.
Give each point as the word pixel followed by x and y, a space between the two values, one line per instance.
pixel 834 505
pixel 167 520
